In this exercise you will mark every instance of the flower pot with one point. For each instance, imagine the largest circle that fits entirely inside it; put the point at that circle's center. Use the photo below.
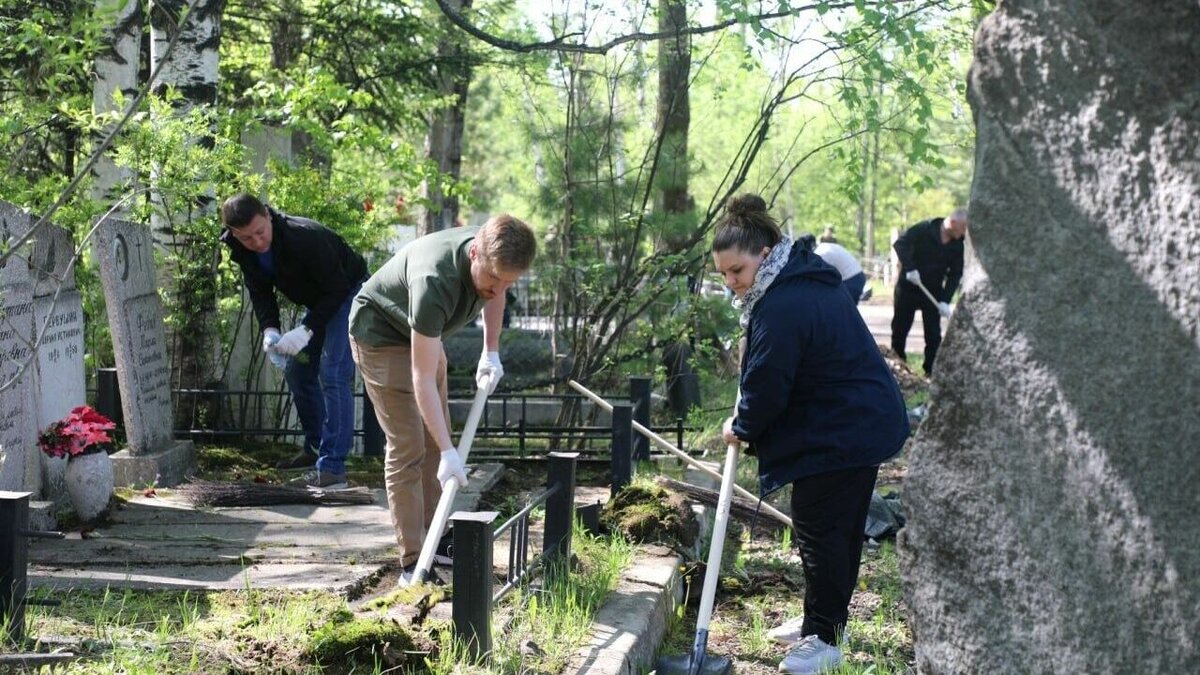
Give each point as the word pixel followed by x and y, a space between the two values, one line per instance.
pixel 89 481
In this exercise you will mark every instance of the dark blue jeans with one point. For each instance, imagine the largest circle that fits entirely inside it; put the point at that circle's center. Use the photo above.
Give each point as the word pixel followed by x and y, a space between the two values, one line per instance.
pixel 321 383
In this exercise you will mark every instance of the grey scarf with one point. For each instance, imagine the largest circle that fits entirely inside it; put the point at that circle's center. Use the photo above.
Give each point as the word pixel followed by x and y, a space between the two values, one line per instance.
pixel 770 268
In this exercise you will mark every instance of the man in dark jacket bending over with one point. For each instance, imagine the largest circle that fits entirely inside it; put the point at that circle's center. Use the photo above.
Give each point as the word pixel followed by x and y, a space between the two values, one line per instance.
pixel 316 269
pixel 930 252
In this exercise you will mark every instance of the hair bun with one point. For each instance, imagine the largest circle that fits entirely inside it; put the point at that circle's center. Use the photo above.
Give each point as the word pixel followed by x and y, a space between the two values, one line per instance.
pixel 745 205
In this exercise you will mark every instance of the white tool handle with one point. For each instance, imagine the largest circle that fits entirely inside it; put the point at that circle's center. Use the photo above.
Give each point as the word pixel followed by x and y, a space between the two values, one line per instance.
pixel 716 544
pixel 450 488
pixel 666 445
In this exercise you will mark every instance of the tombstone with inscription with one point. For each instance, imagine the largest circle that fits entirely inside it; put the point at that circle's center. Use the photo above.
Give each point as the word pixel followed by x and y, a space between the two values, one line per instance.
pixel 19 467
pixel 58 325
pixel 135 319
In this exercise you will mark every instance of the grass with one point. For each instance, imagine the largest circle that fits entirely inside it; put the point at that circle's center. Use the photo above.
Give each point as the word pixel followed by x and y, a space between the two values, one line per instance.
pixel 132 631
pixel 763 587
pixel 253 630
pixel 540 628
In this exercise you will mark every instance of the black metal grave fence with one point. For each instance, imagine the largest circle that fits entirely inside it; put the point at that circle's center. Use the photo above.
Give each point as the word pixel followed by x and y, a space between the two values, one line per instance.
pixel 506 418
pixel 474 543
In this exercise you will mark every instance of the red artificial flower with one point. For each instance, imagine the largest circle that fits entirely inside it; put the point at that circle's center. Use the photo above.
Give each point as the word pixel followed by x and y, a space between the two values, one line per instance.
pixel 81 432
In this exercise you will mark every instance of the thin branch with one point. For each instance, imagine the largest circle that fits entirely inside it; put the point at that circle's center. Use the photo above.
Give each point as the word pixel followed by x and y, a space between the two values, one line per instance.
pixel 561 43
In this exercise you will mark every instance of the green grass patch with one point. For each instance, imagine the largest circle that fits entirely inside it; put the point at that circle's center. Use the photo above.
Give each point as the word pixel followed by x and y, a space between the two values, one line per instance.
pixel 545 627
pixel 217 632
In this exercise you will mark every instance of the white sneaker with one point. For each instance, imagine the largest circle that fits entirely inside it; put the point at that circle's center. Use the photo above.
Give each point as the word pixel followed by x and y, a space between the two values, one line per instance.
pixel 788 632
pixel 811 656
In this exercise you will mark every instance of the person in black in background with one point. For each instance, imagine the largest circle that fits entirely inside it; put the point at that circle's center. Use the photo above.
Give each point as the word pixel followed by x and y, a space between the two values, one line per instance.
pixel 315 268
pixel 930 252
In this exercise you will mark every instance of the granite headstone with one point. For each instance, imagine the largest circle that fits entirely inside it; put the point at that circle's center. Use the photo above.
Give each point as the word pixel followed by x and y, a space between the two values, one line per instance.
pixel 135 319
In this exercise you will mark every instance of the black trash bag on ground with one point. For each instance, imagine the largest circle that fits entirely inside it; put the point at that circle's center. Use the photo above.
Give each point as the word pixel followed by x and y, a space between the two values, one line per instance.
pixel 885 517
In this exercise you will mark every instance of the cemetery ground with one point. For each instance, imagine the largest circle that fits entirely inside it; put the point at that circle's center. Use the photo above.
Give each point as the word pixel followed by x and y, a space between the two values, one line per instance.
pixel 377 627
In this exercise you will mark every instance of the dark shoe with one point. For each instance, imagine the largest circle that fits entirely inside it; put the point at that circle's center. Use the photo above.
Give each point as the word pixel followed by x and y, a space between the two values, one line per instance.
pixel 322 480
pixel 444 553
pixel 305 459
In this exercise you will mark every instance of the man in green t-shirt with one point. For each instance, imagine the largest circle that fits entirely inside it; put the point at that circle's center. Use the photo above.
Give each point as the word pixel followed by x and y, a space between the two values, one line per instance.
pixel 432 287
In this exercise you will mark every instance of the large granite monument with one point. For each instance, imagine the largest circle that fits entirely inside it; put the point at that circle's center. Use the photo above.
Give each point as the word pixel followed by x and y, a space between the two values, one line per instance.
pixel 135 320
pixel 1054 489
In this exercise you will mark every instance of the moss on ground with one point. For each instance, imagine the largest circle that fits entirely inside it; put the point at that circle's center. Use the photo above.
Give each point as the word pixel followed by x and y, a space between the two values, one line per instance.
pixel 354 644
pixel 648 513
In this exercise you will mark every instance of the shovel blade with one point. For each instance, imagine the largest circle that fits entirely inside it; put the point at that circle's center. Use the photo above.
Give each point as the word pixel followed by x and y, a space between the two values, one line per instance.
pixel 680 664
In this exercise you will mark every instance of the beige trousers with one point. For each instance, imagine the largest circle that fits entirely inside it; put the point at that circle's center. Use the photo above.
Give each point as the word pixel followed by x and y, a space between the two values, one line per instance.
pixel 411 460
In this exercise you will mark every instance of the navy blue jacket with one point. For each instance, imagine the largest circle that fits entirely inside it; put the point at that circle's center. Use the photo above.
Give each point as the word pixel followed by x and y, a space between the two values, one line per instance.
pixel 817 395
pixel 314 268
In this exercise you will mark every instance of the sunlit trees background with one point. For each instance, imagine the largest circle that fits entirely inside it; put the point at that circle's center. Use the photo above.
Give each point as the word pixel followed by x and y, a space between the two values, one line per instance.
pixel 618 129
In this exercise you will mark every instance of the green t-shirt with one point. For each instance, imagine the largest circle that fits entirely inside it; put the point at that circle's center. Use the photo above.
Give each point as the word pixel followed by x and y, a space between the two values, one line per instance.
pixel 425 287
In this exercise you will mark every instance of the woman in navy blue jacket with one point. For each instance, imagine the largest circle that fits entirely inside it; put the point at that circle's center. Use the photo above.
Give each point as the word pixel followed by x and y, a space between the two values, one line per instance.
pixel 819 407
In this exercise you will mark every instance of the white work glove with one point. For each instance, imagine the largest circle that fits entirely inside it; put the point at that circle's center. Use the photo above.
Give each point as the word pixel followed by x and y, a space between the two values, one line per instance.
pixel 293 341
pixel 944 308
pixel 914 277
pixel 489 365
pixel 450 467
pixel 270 338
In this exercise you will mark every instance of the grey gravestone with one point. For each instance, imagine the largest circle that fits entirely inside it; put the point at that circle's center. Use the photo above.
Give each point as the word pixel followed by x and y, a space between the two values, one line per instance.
pixel 58 320
pixel 135 320
pixel 1054 489
pixel 19 466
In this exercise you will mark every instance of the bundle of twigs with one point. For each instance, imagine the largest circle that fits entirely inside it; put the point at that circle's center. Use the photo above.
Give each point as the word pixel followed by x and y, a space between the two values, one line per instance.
pixel 739 507
pixel 212 493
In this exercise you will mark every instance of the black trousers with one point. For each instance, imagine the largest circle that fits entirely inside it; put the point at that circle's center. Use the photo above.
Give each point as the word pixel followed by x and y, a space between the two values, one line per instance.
pixel 907 300
pixel 829 512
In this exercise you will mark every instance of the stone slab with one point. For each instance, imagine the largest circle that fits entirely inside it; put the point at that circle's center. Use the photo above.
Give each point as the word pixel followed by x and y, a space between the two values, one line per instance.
pixel 164 542
pixel 42 516
pixel 166 467
pixel 342 578
pixel 1051 493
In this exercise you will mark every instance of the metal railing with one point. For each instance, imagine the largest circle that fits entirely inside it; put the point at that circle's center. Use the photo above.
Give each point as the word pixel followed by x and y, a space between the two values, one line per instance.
pixel 474 547
pixel 14 562
pixel 236 413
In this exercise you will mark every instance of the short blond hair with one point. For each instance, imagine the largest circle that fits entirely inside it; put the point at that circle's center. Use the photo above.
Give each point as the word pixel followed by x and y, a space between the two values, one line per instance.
pixel 507 243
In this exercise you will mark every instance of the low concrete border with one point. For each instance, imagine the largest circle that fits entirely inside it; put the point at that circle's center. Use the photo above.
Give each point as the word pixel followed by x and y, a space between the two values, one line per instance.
pixel 629 628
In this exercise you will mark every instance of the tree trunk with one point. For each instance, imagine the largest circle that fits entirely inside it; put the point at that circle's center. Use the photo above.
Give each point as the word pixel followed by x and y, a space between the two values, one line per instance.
pixel 443 143
pixel 674 115
pixel 116 70
pixel 190 274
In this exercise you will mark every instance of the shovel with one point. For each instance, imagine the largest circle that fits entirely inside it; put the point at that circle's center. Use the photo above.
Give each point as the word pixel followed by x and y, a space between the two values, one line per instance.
pixel 930 296
pixel 449 489
pixel 699 661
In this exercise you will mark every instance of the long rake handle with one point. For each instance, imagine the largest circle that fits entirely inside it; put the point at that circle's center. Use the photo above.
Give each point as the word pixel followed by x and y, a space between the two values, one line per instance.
pixel 669 447
pixel 449 489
